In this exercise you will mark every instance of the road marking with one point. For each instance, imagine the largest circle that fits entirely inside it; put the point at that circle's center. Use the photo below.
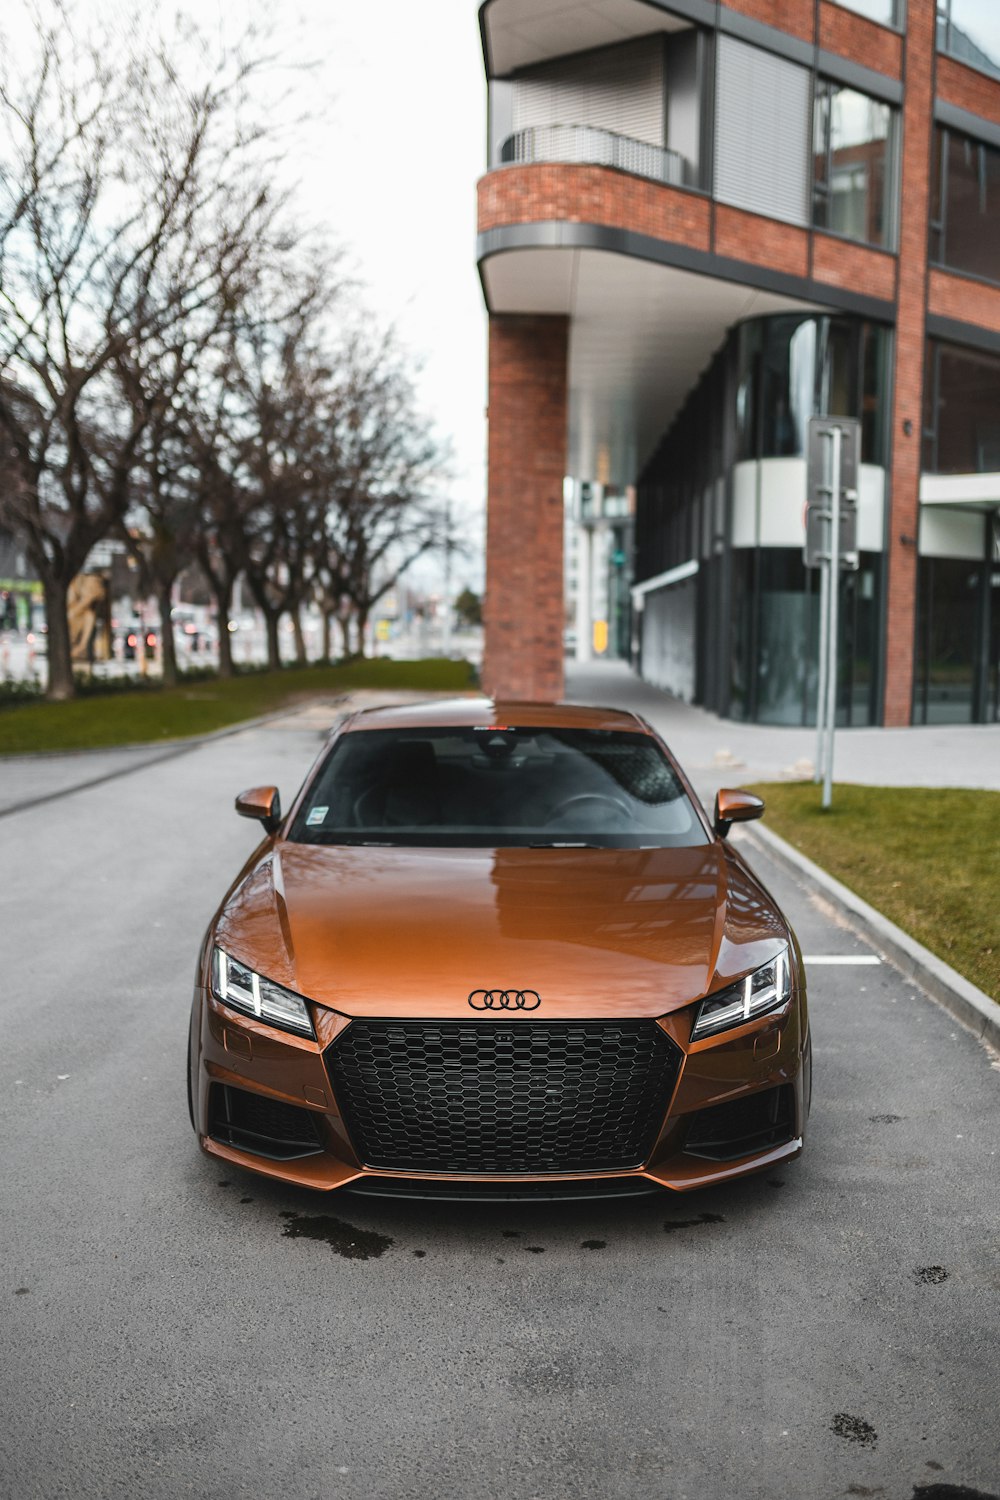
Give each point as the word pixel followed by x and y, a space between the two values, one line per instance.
pixel 840 958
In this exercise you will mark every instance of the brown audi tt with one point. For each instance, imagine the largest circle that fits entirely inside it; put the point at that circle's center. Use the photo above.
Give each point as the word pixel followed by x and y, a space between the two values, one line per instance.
pixel 498 949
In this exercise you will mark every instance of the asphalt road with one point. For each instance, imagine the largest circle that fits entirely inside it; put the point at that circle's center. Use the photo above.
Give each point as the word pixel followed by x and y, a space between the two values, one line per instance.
pixel 171 1328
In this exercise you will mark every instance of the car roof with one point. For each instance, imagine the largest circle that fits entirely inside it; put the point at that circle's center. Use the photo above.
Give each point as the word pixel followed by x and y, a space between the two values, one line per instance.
pixel 472 712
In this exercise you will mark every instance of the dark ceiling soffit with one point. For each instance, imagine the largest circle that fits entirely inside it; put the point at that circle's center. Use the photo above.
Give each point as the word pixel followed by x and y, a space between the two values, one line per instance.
pixel 759 33
pixel 555 234
pixel 968 123
pixel 703 12
pixel 950 331
pixel 484 37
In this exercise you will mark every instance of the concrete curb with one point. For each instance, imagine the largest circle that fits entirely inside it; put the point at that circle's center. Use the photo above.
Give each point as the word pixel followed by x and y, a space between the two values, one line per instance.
pixel 943 984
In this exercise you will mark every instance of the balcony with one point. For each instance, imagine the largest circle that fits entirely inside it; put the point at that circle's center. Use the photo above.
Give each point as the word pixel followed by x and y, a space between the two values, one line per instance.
pixel 595 147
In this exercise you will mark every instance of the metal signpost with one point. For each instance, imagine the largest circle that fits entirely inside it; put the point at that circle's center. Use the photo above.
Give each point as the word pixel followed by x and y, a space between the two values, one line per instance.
pixel 832 474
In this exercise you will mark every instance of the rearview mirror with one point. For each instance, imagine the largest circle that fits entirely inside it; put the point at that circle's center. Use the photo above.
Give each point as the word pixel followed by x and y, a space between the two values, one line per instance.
pixel 262 803
pixel 735 807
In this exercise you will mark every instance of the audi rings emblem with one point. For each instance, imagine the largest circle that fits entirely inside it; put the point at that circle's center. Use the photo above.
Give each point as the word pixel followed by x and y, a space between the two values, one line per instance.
pixel 505 1000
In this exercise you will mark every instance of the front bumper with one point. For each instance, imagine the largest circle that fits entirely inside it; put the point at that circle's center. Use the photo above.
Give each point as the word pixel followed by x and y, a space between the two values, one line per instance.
pixel 264 1099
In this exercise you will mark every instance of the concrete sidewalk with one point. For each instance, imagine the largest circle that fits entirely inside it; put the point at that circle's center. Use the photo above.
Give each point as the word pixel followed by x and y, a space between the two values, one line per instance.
pixel 720 752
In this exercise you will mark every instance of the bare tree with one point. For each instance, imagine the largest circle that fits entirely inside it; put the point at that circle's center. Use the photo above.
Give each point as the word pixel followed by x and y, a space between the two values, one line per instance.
pixel 126 204
pixel 384 466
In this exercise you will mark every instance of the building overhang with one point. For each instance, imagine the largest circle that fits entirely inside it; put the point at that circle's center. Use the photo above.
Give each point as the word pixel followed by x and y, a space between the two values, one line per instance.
pixel 961 491
pixel 518 33
pixel 641 334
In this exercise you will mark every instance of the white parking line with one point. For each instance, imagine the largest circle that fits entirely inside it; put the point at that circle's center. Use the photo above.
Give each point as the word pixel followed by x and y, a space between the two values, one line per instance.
pixel 840 958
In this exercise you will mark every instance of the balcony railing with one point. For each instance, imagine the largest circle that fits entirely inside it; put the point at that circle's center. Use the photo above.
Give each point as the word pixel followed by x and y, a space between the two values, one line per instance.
pixel 596 147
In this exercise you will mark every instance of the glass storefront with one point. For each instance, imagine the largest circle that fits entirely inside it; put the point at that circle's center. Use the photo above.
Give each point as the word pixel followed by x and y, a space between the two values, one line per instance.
pixel 775 641
pixel 792 368
pixel 758 606
pixel 853 157
pixel 950 619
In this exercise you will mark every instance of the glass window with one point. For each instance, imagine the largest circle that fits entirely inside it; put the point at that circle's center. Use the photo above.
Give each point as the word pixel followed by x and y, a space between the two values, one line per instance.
pixel 814 366
pixel 948 616
pixel 963 424
pixel 970 31
pixel 966 216
pixel 852 154
pixel 496 786
pixel 884 11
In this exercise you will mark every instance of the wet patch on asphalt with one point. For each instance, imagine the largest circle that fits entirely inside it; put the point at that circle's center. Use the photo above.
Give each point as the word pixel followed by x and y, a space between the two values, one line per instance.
pixel 21 1291
pixel 673 1224
pixel 344 1239
pixel 884 1119
pixel 535 1249
pixel 593 1244
pixel 418 1254
pixel 864 1489
pixel 950 1492
pixel 930 1275
pixel 854 1429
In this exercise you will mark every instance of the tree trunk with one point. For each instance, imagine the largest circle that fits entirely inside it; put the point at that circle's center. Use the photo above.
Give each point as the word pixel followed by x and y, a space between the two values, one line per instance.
pixel 273 649
pixel 168 646
pixel 300 640
pixel 361 618
pixel 61 682
pixel 326 635
pixel 225 636
pixel 345 631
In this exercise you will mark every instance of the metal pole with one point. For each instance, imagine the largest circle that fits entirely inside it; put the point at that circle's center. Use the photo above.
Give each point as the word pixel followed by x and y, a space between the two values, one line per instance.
pixel 824 606
pixel 832 628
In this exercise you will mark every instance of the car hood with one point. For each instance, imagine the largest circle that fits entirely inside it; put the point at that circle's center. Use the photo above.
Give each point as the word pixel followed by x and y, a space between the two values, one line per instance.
pixel 411 932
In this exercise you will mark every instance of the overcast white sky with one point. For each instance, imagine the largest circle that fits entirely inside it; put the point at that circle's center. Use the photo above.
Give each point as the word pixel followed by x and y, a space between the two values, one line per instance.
pixel 396 143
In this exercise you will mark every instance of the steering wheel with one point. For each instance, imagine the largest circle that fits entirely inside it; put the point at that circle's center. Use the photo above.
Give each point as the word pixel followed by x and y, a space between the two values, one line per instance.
pixel 595 799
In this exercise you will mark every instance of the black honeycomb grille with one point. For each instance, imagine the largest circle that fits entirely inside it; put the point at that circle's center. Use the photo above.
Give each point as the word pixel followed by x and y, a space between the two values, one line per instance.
pixel 489 1097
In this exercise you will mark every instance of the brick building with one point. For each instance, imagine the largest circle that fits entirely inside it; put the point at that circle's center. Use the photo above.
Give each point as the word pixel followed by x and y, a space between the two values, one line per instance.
pixel 702 224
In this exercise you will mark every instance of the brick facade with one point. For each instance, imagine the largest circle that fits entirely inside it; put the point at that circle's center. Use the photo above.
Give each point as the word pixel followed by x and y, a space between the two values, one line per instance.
pixel 794 16
pixel 904 518
pixel 968 89
pixel 760 241
pixel 527 415
pixel 850 35
pixel 840 263
pixel 593 195
pixel 965 300
pixel 528 396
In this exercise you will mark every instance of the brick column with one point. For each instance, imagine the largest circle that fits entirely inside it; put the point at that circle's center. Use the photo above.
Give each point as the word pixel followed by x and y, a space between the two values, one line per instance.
pixel 524 527
pixel 909 373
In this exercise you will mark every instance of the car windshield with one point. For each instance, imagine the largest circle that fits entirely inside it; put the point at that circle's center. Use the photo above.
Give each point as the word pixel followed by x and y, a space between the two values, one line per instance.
pixel 495 787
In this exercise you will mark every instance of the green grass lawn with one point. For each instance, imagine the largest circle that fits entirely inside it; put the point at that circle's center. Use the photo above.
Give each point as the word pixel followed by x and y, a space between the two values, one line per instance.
pixel 130 718
pixel 927 859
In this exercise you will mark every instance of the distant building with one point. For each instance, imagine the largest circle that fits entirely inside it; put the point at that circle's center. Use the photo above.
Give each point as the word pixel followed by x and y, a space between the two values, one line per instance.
pixel 703 223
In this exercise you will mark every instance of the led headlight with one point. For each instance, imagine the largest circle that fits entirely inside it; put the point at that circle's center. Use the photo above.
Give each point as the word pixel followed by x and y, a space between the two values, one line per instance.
pixel 236 985
pixel 768 988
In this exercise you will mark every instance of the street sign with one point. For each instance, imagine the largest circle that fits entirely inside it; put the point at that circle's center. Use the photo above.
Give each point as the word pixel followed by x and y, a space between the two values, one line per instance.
pixel 833 471
pixel 819 494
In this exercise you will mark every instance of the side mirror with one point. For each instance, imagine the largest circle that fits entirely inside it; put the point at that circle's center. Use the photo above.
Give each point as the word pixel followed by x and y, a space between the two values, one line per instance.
pixel 735 807
pixel 262 803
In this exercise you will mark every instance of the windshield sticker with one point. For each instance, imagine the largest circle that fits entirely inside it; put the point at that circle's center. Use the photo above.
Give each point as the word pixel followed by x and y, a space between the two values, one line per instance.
pixel 316 815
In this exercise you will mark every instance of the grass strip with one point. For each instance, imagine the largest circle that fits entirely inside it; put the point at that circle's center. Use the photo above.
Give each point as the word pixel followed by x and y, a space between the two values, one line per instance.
pixel 147 715
pixel 928 859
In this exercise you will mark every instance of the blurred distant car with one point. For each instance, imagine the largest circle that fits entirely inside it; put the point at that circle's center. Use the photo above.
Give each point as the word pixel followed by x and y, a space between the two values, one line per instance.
pixel 499 948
